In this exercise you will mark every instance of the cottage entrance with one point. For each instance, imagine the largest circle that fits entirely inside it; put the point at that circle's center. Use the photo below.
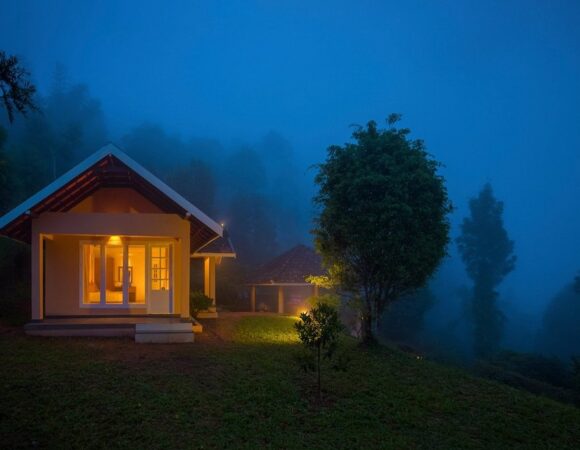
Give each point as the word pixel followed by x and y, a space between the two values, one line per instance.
pixel 160 279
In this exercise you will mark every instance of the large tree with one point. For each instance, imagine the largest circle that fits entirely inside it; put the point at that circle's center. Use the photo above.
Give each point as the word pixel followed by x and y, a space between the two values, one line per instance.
pixel 487 252
pixel 382 226
pixel 17 91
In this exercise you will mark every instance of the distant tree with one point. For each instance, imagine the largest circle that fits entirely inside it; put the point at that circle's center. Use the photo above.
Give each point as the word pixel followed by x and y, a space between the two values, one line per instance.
pixel 487 253
pixel 560 333
pixel 382 225
pixel 404 319
pixel 196 183
pixel 17 91
pixel 4 175
pixel 252 228
pixel 318 330
pixel 577 284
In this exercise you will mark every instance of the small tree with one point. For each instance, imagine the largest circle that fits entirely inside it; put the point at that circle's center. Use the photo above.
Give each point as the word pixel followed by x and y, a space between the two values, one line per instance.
pixel 319 329
pixel 487 252
pixel 198 302
pixel 382 228
pixel 17 91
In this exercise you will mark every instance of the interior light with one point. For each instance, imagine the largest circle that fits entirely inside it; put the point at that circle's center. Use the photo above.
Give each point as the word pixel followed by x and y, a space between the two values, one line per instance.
pixel 115 240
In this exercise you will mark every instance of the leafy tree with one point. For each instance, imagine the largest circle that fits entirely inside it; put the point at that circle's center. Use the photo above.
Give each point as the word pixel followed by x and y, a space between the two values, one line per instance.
pixel 560 333
pixel 404 320
pixel 198 302
pixel 196 183
pixel 17 91
pixel 382 227
pixel 4 175
pixel 487 253
pixel 253 229
pixel 318 330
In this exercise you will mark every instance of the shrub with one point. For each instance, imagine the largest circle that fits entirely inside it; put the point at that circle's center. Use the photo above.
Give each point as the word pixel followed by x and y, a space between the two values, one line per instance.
pixel 319 329
pixel 198 302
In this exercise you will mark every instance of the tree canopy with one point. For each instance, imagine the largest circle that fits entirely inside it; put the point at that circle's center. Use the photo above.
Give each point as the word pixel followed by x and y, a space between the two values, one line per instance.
pixel 382 225
pixel 487 253
pixel 17 91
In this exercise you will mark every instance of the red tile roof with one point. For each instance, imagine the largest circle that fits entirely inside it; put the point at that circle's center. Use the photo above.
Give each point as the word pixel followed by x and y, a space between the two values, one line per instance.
pixel 291 267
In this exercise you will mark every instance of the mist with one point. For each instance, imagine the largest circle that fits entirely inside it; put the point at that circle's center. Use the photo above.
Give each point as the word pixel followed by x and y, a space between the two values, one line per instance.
pixel 247 96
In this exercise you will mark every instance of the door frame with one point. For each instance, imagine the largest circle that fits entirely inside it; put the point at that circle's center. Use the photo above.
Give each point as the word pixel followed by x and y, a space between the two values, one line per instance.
pixel 171 265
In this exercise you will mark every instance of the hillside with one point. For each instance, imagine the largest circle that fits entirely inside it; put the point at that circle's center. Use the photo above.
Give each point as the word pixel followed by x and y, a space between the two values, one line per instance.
pixel 239 386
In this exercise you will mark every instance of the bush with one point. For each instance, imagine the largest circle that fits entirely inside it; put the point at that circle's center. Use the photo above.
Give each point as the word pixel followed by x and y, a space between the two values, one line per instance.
pixel 198 302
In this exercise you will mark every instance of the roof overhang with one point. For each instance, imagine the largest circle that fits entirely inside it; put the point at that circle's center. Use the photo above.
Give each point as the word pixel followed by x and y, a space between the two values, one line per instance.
pixel 108 167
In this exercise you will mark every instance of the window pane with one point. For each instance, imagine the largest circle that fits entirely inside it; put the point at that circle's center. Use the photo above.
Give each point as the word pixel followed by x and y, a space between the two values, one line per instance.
pixel 159 268
pixel 91 273
pixel 114 274
pixel 137 274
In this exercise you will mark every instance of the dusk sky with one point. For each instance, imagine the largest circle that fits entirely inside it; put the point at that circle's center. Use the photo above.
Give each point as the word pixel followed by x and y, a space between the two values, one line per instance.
pixel 492 87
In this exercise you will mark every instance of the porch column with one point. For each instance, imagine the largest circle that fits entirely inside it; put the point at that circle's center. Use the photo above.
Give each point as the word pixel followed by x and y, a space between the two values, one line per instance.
pixel 37 280
pixel 280 299
pixel 253 298
pixel 209 278
pixel 315 290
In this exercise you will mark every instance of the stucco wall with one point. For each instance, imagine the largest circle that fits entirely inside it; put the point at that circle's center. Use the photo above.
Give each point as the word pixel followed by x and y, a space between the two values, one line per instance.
pixel 62 271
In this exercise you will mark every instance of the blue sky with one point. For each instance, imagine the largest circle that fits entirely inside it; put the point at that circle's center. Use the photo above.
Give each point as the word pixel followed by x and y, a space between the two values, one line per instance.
pixel 492 87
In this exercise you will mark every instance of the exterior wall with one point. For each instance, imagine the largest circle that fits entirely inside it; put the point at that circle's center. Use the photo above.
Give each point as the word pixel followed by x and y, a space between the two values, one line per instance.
pixel 62 259
pixel 116 200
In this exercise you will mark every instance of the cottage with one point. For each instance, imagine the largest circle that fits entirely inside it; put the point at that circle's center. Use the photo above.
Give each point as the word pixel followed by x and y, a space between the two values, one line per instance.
pixel 287 274
pixel 110 248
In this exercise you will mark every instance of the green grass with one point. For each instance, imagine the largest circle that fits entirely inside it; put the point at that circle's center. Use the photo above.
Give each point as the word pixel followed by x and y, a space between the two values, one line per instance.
pixel 247 392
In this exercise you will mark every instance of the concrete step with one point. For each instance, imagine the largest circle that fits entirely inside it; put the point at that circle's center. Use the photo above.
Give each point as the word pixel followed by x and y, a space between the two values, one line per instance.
pixel 163 333
pixel 76 329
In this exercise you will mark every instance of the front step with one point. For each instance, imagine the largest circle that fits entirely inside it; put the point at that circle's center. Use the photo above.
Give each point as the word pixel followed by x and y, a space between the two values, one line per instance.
pixel 163 333
pixel 75 329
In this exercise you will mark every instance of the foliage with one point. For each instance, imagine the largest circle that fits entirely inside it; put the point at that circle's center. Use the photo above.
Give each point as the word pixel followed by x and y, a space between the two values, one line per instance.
pixel 318 330
pixel 17 91
pixel 560 333
pixel 332 300
pixel 196 182
pixel 404 320
pixel 382 225
pixel 577 284
pixel 198 302
pixel 487 252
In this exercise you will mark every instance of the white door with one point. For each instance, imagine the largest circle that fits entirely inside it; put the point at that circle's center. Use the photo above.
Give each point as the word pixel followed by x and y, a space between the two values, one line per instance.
pixel 160 279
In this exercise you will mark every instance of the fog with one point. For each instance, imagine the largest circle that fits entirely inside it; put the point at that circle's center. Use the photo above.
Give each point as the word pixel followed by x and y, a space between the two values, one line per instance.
pixel 491 87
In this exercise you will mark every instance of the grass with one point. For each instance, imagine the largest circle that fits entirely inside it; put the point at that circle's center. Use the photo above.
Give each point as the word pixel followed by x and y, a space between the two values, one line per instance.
pixel 244 390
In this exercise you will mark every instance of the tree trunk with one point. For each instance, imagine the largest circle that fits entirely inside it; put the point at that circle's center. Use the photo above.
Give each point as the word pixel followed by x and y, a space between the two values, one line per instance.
pixel 319 387
pixel 367 334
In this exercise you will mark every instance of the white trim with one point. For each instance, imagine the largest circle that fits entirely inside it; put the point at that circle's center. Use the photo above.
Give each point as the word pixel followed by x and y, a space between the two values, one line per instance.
pixel 103 279
pixel 109 149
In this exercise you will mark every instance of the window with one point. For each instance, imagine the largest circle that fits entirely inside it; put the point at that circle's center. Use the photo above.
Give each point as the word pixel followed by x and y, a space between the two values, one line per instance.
pixel 159 268
pixel 114 271
pixel 91 257
pixel 136 263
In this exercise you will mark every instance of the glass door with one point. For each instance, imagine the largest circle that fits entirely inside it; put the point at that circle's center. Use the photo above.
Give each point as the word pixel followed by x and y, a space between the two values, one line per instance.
pixel 160 279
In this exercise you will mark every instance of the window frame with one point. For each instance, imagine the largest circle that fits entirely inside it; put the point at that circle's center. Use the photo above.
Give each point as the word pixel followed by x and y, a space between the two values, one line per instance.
pixel 125 304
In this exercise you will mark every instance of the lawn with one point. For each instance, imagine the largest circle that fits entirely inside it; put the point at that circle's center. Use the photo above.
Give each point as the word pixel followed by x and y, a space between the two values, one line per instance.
pixel 239 386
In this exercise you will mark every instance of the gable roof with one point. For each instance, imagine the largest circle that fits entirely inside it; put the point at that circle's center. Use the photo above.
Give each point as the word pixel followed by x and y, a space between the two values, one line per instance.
pixel 291 267
pixel 108 167
pixel 221 247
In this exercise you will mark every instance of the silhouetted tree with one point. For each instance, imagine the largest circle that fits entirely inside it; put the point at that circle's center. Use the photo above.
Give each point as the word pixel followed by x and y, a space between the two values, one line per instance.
pixel 17 91
pixel 382 225
pixel 252 230
pixel 196 183
pixel 487 253
pixel 577 284
pixel 4 175
pixel 404 320
pixel 560 333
